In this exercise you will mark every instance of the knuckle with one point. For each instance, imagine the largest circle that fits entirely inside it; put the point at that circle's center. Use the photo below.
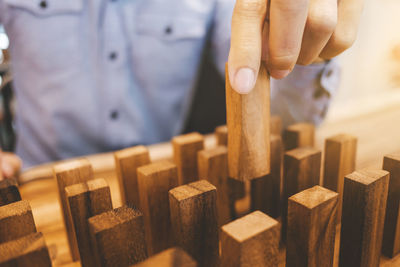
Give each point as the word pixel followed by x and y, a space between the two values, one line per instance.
pixel 253 7
pixel 341 42
pixel 321 25
pixel 282 62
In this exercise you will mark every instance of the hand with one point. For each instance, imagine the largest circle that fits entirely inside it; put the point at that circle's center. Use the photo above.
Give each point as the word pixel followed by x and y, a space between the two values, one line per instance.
pixel 10 165
pixel 286 32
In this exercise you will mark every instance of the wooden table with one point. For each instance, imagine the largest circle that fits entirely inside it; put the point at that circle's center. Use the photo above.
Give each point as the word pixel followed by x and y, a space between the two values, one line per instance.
pixel 378 134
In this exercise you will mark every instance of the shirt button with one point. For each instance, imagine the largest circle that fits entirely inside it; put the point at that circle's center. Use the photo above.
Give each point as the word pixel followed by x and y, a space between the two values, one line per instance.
pixel 43 4
pixel 114 114
pixel 113 56
pixel 168 30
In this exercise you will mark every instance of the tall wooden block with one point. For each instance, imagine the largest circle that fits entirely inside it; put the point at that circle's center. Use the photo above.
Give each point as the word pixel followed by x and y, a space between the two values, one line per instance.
pixel 252 240
pixel 299 135
pixel 276 125
pixel 248 117
pixel 16 220
pixel 173 257
pixel 340 160
pixel 9 192
pixel 155 180
pixel 185 155
pixel 126 163
pixel 29 251
pixel 86 200
pixel 118 237
pixel 213 167
pixel 391 233
pixel 221 133
pixel 311 228
pixel 364 204
pixel 69 173
pixel 194 221
pixel 266 191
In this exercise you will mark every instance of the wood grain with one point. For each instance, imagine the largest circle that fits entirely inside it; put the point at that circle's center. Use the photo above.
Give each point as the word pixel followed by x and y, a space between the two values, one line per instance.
pixel 173 257
pixel 126 163
pixel 311 228
pixel 299 135
pixel 276 125
pixel 221 133
pixel 364 204
pixel 391 233
pixel 118 237
pixel 193 210
pixel 9 192
pixel 69 173
pixel 185 149
pixel 155 180
pixel 84 201
pixel 252 240
pixel 213 167
pixel 29 251
pixel 266 191
pixel 16 220
pixel 340 160
pixel 248 116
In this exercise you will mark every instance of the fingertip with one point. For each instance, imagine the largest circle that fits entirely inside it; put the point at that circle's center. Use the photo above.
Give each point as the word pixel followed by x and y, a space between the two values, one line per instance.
pixel 279 74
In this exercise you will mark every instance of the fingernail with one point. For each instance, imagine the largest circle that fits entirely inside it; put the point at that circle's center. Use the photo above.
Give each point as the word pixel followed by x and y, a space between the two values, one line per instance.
pixel 244 80
pixel 279 74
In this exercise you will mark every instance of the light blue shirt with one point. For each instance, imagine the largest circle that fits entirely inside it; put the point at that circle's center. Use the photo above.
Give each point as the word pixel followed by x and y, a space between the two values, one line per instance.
pixel 98 75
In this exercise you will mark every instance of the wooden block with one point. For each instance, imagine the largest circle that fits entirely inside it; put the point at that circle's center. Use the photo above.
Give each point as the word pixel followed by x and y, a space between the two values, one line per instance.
pixel 266 191
pixel 16 220
pixel 391 233
pixel 126 163
pixel 155 180
pixel 69 173
pixel 221 133
pixel 237 191
pixel 118 237
pixel 213 167
pixel 9 192
pixel 302 167
pixel 29 251
pixel 299 135
pixel 276 125
pixel 252 240
pixel 194 221
pixel 364 204
pixel 340 160
pixel 185 155
pixel 248 117
pixel 311 228
pixel 86 200
pixel 173 257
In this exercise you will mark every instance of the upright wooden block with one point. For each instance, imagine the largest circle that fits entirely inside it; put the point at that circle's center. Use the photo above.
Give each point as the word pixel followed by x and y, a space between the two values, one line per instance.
pixel 185 155
pixel 266 191
pixel 311 228
pixel 69 173
pixel 126 163
pixel 221 133
pixel 213 167
pixel 86 200
pixel 9 192
pixel 299 135
pixel 118 237
pixel 29 251
pixel 340 160
pixel 252 240
pixel 155 180
pixel 16 220
pixel 173 257
pixel 364 204
pixel 276 125
pixel 194 221
pixel 248 117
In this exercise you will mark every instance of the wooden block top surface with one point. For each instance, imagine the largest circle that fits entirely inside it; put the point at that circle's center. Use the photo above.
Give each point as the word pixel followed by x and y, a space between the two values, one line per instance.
pixel 71 165
pixel 173 257
pixel 131 151
pixel 340 138
pixel 210 153
pixel 191 190
pixel 77 189
pixel 8 182
pixel 302 152
pixel 366 177
pixel 188 138
pixel 314 196
pixel 112 218
pixel 163 165
pixel 300 127
pixel 14 209
pixel 250 225
pixel 222 129
pixel 394 156
pixel 21 246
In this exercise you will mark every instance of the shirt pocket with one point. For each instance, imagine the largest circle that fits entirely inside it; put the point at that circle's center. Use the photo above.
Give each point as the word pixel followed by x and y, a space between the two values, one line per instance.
pixel 47 7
